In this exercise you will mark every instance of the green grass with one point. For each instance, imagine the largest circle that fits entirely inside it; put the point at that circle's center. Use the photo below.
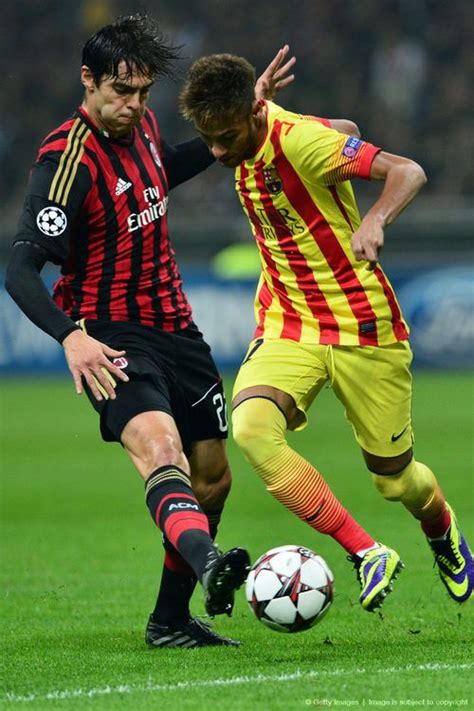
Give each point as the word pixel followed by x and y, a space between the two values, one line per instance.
pixel 81 562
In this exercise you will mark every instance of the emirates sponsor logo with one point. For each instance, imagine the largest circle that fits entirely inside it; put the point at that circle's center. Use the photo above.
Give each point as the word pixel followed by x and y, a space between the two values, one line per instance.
pixel 156 209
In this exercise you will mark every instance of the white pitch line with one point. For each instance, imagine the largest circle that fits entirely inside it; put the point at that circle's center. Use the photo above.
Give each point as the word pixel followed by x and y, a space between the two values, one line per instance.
pixel 230 681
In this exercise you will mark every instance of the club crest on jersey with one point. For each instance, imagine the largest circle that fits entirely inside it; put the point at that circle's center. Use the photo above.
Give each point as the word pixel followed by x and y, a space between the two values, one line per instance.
pixel 120 362
pixel 351 147
pixel 272 179
pixel 155 155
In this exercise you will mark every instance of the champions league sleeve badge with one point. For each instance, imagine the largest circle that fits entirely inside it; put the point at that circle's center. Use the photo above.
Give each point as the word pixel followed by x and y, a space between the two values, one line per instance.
pixel 351 147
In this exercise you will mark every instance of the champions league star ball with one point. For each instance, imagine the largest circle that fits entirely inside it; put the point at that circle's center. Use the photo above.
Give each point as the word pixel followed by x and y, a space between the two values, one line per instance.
pixel 290 588
pixel 52 221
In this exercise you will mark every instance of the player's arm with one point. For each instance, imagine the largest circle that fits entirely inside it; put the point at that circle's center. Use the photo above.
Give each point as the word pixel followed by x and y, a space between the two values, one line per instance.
pixel 403 179
pixel 26 287
pixel 350 128
pixel 85 356
pixel 327 157
pixel 32 248
pixel 185 160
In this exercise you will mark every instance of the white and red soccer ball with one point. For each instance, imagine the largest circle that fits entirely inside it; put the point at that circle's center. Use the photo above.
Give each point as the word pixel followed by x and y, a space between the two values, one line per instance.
pixel 290 588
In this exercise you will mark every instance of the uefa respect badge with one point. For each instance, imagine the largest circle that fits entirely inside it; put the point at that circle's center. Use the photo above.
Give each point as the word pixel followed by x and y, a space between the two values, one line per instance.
pixel 351 147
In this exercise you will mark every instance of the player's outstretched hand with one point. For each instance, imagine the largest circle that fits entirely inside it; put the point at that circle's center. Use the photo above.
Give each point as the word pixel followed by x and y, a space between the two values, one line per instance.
pixel 89 359
pixel 275 77
pixel 367 242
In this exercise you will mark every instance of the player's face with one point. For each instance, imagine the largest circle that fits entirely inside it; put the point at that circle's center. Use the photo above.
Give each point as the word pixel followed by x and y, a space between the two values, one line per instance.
pixel 118 103
pixel 232 140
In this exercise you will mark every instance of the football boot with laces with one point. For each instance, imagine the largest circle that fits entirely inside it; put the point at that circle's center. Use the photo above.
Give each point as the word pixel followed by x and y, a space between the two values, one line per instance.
pixel 454 561
pixel 376 571
pixel 193 633
pixel 223 575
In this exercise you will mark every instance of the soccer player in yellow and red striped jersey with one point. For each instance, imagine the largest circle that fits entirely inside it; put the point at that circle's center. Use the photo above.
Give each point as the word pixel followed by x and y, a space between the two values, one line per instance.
pixel 325 311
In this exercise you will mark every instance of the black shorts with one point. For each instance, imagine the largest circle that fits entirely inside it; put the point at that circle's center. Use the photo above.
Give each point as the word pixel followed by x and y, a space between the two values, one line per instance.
pixel 169 372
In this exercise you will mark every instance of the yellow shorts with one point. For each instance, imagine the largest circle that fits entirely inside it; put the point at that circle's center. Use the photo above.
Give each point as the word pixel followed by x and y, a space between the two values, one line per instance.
pixel 373 383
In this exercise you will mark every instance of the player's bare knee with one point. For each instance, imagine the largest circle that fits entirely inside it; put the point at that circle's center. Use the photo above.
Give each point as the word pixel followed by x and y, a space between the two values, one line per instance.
pixel 165 450
pixel 149 454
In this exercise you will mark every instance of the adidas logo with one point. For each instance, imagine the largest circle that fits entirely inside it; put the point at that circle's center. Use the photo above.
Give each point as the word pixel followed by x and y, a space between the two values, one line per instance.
pixel 121 186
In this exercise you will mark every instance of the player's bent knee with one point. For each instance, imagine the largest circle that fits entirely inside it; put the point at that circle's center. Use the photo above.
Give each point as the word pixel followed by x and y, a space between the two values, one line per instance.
pixel 412 486
pixel 259 429
pixel 151 448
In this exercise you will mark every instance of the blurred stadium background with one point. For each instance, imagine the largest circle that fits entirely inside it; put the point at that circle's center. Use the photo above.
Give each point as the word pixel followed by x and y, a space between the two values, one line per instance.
pixel 403 70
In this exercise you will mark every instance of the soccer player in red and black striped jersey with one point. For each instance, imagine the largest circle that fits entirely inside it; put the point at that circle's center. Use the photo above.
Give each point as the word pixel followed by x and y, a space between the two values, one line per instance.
pixel 325 311
pixel 97 205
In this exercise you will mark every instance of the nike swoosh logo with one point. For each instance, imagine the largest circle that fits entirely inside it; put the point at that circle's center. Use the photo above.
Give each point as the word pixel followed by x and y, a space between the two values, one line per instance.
pixel 395 437
pixel 459 589
pixel 316 514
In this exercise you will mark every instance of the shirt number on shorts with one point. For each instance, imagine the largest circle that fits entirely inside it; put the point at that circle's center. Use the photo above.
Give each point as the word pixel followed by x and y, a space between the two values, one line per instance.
pixel 221 411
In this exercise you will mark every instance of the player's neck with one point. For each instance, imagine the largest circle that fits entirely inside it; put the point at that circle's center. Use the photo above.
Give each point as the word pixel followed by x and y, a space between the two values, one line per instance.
pixel 94 117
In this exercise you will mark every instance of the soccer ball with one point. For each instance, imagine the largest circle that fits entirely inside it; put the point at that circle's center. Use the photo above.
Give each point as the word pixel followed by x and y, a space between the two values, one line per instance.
pixel 290 588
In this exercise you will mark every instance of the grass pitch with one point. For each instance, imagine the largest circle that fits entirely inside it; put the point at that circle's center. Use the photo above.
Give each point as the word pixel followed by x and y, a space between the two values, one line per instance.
pixel 81 561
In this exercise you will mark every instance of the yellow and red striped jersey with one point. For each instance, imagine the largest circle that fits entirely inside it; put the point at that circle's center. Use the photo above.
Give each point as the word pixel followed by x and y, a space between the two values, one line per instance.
pixel 301 206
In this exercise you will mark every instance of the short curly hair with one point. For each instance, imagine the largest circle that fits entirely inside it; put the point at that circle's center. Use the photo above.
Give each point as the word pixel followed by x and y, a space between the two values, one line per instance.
pixel 218 85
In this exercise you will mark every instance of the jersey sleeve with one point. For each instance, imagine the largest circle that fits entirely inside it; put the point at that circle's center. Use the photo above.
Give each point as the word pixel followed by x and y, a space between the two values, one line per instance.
pixel 55 194
pixel 323 155
pixel 185 160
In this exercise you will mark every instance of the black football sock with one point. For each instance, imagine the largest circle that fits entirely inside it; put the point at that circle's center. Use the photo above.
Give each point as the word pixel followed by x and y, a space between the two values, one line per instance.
pixel 178 581
pixel 176 588
pixel 176 511
pixel 214 518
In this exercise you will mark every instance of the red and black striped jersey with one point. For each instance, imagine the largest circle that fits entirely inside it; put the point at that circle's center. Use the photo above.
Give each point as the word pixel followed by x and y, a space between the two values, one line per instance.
pixel 99 208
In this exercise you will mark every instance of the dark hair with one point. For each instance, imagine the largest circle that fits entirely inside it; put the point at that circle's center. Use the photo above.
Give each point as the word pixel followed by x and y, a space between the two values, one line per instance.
pixel 216 86
pixel 135 40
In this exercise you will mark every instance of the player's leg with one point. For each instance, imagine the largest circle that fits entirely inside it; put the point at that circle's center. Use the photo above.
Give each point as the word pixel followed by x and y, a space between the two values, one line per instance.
pixel 211 481
pixel 153 443
pixel 416 487
pixel 382 423
pixel 262 414
pixel 204 423
pixel 260 418
pixel 142 418
pixel 199 408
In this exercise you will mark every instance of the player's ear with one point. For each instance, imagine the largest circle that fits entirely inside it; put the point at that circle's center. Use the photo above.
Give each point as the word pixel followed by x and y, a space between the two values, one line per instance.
pixel 256 106
pixel 87 78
